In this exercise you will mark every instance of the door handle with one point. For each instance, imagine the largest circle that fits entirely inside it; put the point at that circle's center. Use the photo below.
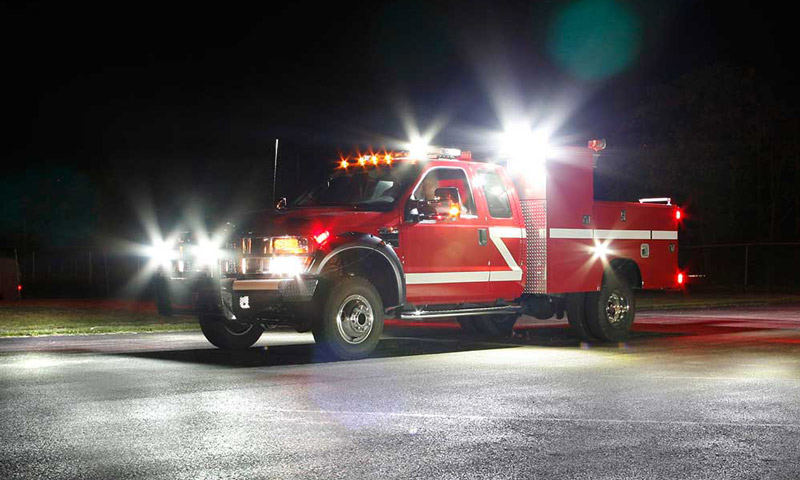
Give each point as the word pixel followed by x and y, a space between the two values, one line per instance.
pixel 483 236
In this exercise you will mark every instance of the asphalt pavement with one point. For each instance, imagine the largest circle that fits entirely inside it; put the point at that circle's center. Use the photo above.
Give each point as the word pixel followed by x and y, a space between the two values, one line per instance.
pixel 693 394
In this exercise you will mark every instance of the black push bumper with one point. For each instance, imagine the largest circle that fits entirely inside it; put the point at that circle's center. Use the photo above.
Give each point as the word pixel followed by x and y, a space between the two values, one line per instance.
pixel 243 298
pixel 267 297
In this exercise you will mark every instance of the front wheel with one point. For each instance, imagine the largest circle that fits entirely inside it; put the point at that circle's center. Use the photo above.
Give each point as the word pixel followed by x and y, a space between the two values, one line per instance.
pixel 351 321
pixel 611 311
pixel 496 325
pixel 228 334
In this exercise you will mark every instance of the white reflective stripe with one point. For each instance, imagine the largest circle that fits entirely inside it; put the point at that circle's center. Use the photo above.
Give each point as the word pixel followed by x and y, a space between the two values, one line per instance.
pixel 270 284
pixel 623 234
pixel 463 277
pixel 506 276
pixel 446 277
pixel 507 232
pixel 497 234
pixel 580 233
pixel 570 233
pixel 665 234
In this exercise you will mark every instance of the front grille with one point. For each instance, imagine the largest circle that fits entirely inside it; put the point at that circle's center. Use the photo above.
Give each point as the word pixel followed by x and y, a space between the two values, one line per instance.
pixel 254 245
pixel 535 215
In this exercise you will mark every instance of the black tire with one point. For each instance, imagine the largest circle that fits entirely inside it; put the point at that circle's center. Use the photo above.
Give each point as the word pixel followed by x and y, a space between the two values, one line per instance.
pixel 496 325
pixel 163 304
pixel 343 329
pixel 229 335
pixel 611 311
pixel 577 317
pixel 468 325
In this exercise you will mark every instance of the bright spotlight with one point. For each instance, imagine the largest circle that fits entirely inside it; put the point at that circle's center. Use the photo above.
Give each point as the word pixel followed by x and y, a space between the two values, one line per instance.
pixel 207 252
pixel 418 148
pixel 162 252
pixel 524 147
pixel 601 250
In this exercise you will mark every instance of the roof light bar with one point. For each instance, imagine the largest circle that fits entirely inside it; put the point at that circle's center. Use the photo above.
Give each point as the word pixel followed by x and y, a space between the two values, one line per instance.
pixel 434 153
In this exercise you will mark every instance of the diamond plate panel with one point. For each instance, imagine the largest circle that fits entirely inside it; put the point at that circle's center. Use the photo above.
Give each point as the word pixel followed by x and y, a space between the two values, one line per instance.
pixel 535 215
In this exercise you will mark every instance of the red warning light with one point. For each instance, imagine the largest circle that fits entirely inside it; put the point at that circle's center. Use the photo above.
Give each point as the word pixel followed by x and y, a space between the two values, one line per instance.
pixel 322 237
pixel 680 279
pixel 678 214
pixel 597 144
pixel 19 287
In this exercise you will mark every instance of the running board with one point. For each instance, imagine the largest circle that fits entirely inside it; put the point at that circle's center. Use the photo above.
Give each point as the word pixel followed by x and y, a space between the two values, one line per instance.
pixel 464 312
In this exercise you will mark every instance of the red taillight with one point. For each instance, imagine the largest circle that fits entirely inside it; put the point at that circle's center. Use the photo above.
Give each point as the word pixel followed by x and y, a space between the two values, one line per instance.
pixel 680 279
pixel 19 287
pixel 678 214
pixel 322 237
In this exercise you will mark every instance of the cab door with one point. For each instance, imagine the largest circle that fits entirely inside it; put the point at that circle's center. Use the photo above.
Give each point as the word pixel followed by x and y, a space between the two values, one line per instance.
pixel 446 261
pixel 499 205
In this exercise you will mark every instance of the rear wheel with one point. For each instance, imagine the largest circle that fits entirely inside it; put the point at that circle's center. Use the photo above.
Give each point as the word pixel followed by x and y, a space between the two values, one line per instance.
pixel 229 334
pixel 577 316
pixel 496 325
pixel 611 311
pixel 351 321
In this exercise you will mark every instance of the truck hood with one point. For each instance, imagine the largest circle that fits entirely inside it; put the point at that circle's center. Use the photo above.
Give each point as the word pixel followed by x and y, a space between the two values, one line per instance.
pixel 311 221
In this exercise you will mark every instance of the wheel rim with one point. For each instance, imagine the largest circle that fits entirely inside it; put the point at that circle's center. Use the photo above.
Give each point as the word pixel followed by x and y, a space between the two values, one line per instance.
pixel 237 328
pixel 617 308
pixel 355 319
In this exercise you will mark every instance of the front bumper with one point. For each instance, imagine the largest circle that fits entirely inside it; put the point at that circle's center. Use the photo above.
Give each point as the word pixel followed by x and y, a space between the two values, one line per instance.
pixel 242 298
pixel 277 298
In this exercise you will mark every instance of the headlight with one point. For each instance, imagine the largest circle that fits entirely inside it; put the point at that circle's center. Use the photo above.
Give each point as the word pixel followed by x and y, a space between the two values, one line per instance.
pixel 207 253
pixel 288 265
pixel 162 253
pixel 289 245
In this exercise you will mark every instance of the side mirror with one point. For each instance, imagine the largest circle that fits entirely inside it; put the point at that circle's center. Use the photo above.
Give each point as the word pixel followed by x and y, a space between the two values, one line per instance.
pixel 281 203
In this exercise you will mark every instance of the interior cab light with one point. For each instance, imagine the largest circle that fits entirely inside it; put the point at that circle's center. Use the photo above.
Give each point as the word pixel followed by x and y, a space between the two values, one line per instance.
pixel 455 210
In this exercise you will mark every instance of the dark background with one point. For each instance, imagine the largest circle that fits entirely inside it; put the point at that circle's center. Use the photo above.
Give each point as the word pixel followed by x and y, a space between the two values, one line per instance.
pixel 118 112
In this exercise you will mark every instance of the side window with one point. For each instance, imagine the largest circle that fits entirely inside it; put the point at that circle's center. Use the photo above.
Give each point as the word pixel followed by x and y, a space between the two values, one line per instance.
pixel 496 195
pixel 446 177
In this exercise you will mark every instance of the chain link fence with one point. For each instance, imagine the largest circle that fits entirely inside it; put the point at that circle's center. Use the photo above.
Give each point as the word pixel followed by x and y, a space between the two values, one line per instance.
pixel 83 273
pixel 743 265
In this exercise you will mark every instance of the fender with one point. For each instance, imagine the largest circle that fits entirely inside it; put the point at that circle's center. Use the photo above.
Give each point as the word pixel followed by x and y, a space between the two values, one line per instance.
pixel 368 244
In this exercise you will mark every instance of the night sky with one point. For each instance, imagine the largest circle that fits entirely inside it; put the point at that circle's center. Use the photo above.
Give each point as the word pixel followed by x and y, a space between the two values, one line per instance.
pixel 180 104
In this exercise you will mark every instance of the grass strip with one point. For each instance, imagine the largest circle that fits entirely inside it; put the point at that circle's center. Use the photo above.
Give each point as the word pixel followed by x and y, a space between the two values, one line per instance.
pixel 35 321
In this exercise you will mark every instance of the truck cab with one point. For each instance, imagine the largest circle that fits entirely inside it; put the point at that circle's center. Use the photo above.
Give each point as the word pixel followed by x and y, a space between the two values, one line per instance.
pixel 434 237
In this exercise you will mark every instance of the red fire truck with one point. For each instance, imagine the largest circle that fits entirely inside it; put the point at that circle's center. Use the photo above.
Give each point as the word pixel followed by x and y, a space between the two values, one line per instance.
pixel 433 236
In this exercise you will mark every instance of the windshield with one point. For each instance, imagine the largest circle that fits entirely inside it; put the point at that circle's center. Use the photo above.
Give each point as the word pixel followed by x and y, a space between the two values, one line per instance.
pixel 369 188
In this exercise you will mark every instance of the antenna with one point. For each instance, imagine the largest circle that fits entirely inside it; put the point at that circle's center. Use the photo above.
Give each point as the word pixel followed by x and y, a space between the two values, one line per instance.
pixel 275 172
